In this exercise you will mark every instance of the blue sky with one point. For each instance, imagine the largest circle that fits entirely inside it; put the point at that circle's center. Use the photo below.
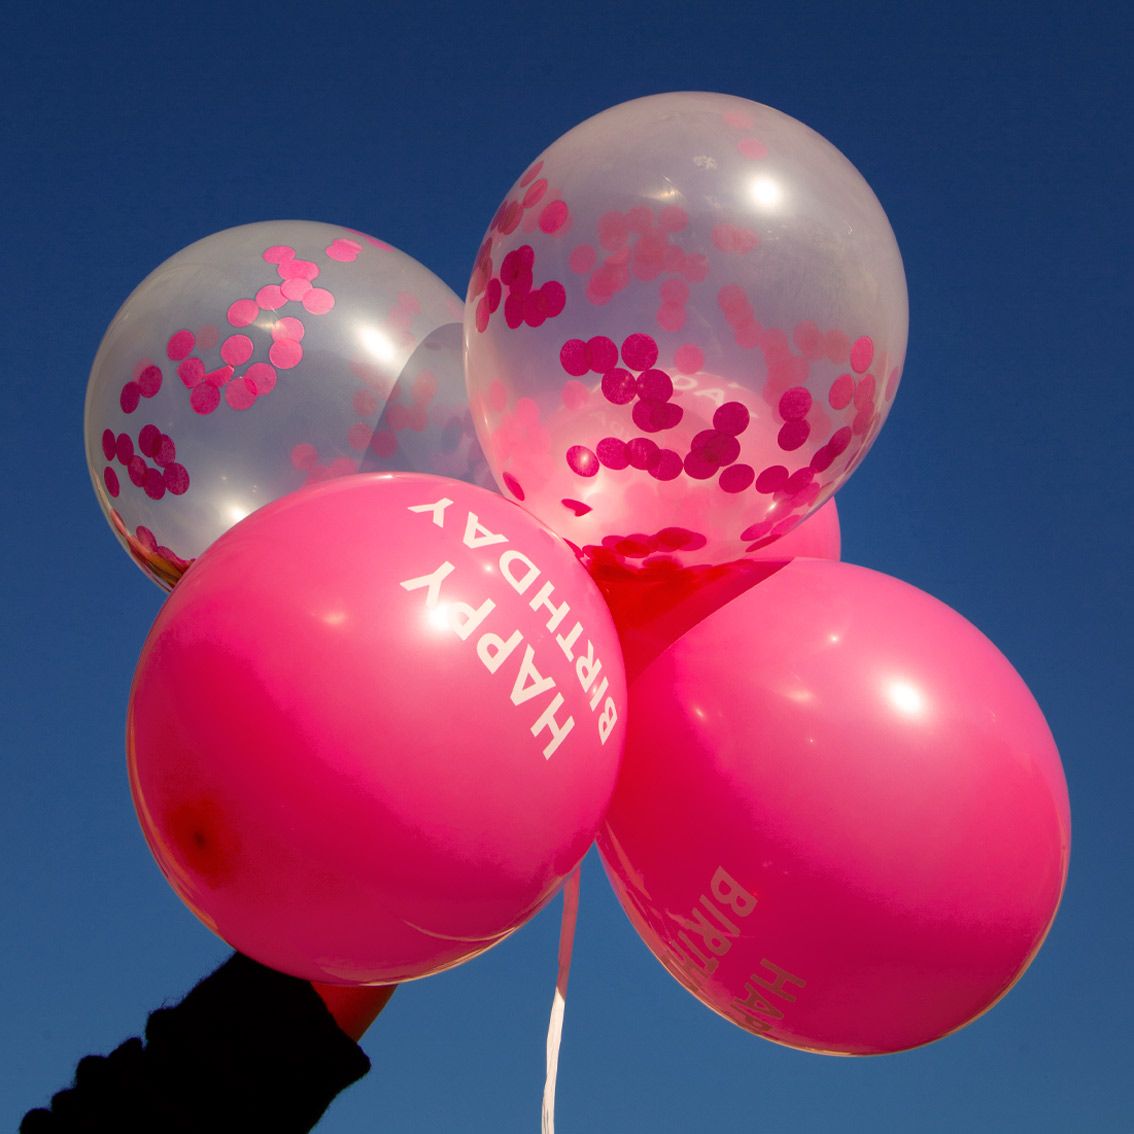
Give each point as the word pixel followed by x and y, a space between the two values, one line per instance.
pixel 997 139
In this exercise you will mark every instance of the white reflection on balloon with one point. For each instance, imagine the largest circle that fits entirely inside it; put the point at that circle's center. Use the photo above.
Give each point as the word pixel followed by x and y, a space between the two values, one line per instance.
pixel 907 698
pixel 766 192
pixel 380 345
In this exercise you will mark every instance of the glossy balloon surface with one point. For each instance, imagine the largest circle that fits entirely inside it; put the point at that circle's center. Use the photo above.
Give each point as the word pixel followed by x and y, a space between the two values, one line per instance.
pixel 842 822
pixel 375 726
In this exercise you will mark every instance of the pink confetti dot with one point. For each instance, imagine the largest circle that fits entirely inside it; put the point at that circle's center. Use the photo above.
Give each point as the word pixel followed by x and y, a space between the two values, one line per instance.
pixel 582 461
pixel 236 350
pixel 511 217
pixel 772 479
pixel 365 403
pixel 243 312
pixel 642 453
pixel 732 418
pixel 535 193
pixel 285 354
pixel 862 354
pixel 671 317
pixel 612 453
pixel 667 466
pixel 734 303
pixel 514 309
pixel 149 381
pixel 613 231
pixel 795 403
pixel 146 538
pixel 653 417
pixel 752 148
pixel 554 298
pixel 493 294
pixel 260 377
pixel 303 456
pixel 602 354
pixel 639 352
pixel 535 308
pixel 287 328
pixel 219 376
pixel 863 422
pixel 672 218
pixel 737 119
pixel 513 485
pixel 136 470
pixel 793 434
pixel 179 345
pixel 582 259
pixel 297 269
pixel 343 250
pixel 699 467
pixel 110 479
pixel 576 506
pixel 864 394
pixel 207 337
pixel 696 267
pixel 798 480
pixel 841 392
pixel 840 439
pixel 574 395
pixel 358 436
pixel 165 451
pixel 655 386
pixel 191 371
pixel 124 448
pixel 270 297
pixel 573 357
pixel 293 290
pixel 554 217
pixel 532 173
pixel 732 238
pixel 483 315
pixel 809 340
pixel 176 479
pixel 205 398
pixel 675 291
pixel 720 448
pixel 278 253
pixel 130 397
pixel 757 530
pixel 619 386
pixel 384 443
pixel 109 444
pixel 736 478
pixel 149 438
pixel 318 301
pixel 240 393
pixel 688 359
pixel 154 485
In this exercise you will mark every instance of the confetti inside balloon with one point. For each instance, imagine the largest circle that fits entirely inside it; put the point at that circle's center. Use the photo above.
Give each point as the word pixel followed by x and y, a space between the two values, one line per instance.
pixel 841 821
pixel 688 316
pixel 256 361
pixel 375 727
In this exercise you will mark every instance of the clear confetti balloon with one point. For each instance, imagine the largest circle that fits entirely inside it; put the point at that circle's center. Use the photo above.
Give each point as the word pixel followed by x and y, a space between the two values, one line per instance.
pixel 684 329
pixel 261 359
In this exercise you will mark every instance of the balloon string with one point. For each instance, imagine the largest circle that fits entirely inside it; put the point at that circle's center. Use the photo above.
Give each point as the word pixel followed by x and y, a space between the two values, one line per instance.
pixel 559 1002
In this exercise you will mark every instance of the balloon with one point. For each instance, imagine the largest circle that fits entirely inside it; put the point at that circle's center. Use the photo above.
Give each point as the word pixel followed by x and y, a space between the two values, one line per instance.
pixel 375 726
pixel 687 323
pixel 260 359
pixel 842 821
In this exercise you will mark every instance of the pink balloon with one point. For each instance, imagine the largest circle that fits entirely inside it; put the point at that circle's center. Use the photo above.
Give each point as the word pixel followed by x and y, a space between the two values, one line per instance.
pixel 842 821
pixel 375 726
pixel 685 328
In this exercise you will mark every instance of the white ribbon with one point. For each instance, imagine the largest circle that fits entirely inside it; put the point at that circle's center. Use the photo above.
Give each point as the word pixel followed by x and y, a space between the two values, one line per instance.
pixel 559 1002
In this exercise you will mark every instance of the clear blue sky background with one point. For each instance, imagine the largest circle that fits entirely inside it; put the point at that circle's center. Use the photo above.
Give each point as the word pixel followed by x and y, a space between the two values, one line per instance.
pixel 998 138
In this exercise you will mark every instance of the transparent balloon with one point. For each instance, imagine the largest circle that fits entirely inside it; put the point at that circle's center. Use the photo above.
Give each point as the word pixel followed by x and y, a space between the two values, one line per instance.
pixel 261 359
pixel 686 325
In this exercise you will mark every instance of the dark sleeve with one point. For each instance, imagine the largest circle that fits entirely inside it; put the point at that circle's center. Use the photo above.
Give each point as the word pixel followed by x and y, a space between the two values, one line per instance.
pixel 248 1049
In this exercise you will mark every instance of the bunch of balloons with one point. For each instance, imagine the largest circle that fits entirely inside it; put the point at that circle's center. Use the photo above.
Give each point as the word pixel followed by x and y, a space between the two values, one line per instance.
pixel 386 710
